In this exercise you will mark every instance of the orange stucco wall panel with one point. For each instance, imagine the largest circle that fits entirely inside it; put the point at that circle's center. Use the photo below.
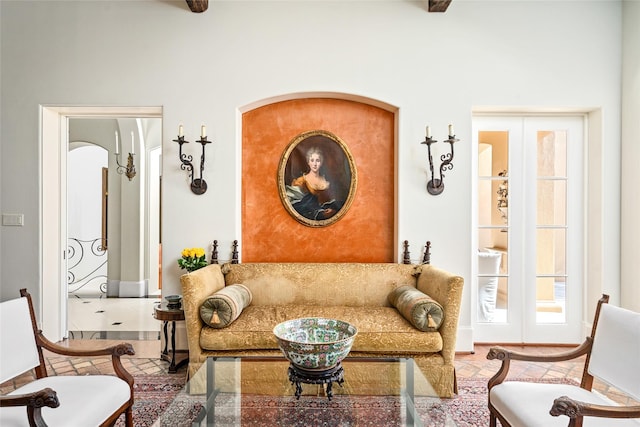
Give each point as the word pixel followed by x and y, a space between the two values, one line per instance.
pixel 366 232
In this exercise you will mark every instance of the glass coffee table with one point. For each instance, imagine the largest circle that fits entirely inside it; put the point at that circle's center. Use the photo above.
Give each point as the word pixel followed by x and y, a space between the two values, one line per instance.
pixel 259 391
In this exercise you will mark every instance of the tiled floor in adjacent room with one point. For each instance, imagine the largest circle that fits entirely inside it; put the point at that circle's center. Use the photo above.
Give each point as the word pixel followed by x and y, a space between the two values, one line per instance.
pixel 98 317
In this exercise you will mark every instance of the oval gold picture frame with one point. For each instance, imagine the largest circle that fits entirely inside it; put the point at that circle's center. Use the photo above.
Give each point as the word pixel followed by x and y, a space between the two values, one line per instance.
pixel 317 178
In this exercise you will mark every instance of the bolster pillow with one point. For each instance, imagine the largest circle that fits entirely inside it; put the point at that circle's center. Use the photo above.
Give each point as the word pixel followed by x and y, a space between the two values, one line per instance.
pixel 418 308
pixel 222 308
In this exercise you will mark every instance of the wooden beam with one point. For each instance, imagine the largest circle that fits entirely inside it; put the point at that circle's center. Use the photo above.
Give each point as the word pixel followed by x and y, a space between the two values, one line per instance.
pixel 437 5
pixel 198 6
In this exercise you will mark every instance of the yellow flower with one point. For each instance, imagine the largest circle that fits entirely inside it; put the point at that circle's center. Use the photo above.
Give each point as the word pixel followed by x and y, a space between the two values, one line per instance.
pixel 192 259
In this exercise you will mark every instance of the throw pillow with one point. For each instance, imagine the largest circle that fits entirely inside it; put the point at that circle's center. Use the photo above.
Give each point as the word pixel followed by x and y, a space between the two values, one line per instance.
pixel 222 308
pixel 420 309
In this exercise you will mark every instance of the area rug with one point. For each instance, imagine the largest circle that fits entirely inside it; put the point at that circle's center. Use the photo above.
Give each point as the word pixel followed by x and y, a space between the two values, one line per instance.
pixel 160 402
pixel 468 408
pixel 153 395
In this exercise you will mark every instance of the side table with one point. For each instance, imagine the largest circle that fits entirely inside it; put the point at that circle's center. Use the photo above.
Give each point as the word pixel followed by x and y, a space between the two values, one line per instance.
pixel 166 314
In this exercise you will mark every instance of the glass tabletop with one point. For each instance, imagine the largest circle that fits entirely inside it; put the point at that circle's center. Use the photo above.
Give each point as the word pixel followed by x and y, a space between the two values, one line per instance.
pixel 265 391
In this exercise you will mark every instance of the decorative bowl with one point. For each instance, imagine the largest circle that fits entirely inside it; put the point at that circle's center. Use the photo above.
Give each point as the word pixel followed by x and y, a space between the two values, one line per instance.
pixel 173 300
pixel 315 343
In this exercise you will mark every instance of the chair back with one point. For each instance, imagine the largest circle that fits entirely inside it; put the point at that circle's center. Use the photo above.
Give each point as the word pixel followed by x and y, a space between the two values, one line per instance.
pixel 615 355
pixel 18 350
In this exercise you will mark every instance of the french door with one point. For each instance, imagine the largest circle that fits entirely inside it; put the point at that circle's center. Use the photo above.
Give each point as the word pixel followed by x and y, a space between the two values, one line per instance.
pixel 529 223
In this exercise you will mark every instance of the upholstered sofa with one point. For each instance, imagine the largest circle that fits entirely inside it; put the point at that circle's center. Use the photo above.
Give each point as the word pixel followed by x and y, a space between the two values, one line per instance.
pixel 354 292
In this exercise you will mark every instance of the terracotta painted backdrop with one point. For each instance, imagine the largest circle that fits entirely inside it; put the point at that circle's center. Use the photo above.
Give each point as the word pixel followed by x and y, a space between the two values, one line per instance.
pixel 366 232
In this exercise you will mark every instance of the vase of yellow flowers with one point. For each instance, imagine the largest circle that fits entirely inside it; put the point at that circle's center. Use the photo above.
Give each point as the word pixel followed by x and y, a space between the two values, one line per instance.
pixel 192 259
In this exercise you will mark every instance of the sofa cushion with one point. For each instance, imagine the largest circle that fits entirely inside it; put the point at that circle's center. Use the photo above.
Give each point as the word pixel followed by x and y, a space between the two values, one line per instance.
pixel 223 307
pixel 527 404
pixel 380 329
pixel 418 308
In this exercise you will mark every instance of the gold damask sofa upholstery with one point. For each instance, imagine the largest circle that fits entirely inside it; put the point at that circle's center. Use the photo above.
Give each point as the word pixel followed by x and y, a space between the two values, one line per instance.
pixel 353 292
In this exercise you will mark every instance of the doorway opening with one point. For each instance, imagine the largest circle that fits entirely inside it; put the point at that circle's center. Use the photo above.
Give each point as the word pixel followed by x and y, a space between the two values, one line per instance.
pixel 127 225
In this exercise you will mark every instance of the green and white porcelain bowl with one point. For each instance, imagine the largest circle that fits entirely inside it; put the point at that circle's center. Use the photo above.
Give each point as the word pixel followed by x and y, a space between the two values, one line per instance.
pixel 315 343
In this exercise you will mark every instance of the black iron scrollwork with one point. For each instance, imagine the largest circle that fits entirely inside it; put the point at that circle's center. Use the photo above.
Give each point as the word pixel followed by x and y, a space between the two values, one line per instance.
pixel 86 264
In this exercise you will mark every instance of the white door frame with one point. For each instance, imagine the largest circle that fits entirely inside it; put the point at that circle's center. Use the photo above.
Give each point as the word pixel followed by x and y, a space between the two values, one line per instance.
pixel 53 208
pixel 519 325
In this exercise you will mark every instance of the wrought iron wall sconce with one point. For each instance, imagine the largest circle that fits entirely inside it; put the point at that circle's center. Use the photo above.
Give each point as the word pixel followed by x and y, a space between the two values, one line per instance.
pixel 435 185
pixel 198 185
pixel 130 169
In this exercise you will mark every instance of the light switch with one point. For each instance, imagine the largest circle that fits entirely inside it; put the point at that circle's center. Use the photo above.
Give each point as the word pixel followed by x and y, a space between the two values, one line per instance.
pixel 13 219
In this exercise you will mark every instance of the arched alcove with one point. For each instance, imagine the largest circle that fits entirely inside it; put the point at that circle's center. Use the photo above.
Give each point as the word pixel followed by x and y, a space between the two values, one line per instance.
pixel 366 233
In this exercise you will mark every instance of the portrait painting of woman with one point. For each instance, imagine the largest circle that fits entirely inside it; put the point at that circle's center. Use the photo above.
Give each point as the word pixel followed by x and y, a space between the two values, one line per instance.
pixel 317 178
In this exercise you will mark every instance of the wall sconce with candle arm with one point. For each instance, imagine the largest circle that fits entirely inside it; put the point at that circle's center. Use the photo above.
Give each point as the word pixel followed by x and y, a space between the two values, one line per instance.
pixel 198 185
pixel 435 185
pixel 130 169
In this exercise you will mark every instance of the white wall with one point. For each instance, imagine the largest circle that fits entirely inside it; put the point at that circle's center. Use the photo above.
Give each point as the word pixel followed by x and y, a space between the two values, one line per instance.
pixel 205 68
pixel 630 226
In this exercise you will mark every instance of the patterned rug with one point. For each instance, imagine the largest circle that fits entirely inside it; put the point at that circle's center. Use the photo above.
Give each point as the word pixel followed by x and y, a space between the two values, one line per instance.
pixel 159 402
pixel 468 408
pixel 153 394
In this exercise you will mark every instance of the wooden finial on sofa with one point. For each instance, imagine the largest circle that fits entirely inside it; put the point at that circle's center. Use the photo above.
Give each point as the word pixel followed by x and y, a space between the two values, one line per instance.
pixel 406 257
pixel 214 252
pixel 234 253
pixel 426 259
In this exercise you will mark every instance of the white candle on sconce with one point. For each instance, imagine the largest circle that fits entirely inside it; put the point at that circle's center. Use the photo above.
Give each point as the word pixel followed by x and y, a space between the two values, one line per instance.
pixel 428 131
pixel 117 144
pixel 451 130
pixel 203 132
pixel 132 149
pixel 180 130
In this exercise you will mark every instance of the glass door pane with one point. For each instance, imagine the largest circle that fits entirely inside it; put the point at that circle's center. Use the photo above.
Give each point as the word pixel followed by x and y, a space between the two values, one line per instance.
pixel 551 224
pixel 493 230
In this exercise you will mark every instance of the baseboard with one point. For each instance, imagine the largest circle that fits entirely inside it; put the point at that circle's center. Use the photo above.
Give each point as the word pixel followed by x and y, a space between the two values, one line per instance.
pixel 113 288
pixel 126 289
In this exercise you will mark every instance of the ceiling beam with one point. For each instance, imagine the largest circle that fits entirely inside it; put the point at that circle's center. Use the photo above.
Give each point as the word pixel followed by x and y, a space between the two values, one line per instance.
pixel 437 5
pixel 199 6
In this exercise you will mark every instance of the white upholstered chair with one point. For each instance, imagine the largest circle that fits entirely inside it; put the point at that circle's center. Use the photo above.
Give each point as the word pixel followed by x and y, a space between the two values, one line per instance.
pixel 69 401
pixel 612 356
